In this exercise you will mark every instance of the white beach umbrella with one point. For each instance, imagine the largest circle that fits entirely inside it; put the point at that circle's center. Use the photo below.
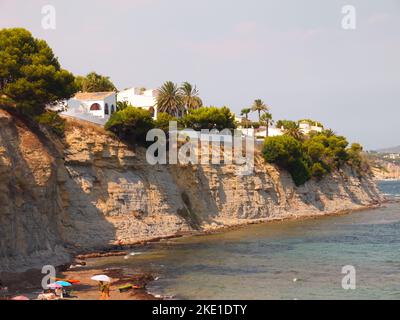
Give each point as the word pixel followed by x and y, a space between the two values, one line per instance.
pixel 101 277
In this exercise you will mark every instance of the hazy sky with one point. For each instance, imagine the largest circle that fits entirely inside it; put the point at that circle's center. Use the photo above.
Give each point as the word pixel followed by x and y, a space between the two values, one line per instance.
pixel 293 54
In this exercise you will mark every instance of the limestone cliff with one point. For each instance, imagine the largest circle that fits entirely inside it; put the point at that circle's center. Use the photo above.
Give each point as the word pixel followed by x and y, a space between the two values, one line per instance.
pixel 90 191
pixel 386 170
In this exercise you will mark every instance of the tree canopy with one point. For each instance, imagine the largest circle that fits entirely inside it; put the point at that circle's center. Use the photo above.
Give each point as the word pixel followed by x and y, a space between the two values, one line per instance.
pixel 169 99
pixel 209 118
pixel 286 124
pixel 259 106
pixel 177 100
pixel 94 82
pixel 131 123
pixel 30 75
pixel 190 96
pixel 313 156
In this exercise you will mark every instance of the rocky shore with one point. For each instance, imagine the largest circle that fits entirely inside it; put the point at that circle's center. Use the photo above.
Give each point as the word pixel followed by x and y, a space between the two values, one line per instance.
pixel 90 193
pixel 26 283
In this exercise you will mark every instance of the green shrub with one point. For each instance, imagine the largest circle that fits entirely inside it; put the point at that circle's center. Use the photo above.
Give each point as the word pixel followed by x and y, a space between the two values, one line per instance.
pixel 121 105
pixel 209 118
pixel 287 124
pixel 317 155
pixel 255 124
pixel 30 74
pixel 357 160
pixel 52 121
pixel 299 171
pixel 287 153
pixel 314 149
pixel 163 120
pixel 281 150
pixel 318 171
pixel 131 123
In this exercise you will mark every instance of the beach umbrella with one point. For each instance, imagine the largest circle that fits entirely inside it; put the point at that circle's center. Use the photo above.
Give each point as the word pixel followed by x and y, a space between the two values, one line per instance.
pixel 54 286
pixel 71 281
pixel 20 298
pixel 64 283
pixel 101 277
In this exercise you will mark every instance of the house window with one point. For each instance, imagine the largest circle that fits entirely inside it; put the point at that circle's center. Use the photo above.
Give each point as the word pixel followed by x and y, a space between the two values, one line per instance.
pixel 106 111
pixel 95 107
pixel 112 109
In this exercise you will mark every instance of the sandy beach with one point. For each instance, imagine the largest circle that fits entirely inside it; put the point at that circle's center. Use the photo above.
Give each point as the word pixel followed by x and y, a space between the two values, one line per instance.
pixel 87 289
pixel 28 284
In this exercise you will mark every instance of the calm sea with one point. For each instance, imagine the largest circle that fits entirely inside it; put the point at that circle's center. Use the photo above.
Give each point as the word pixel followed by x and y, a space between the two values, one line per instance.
pixel 285 260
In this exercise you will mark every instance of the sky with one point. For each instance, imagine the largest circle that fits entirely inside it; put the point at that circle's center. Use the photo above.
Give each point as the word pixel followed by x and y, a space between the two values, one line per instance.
pixel 293 54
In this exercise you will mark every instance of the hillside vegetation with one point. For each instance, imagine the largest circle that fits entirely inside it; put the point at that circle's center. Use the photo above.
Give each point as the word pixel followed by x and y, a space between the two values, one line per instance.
pixel 313 156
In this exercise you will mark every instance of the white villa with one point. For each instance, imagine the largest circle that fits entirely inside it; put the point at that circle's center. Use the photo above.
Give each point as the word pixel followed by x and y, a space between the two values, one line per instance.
pixel 306 127
pixel 95 107
pixel 140 98
pixel 272 132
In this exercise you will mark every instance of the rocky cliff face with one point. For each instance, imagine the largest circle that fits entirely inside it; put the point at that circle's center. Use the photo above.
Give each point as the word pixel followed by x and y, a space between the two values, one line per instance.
pixel 91 191
pixel 385 170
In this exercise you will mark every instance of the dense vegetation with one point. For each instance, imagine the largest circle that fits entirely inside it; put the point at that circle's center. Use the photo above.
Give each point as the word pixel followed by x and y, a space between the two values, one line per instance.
pixel 163 120
pixel 94 82
pixel 286 124
pixel 313 156
pixel 209 118
pixel 52 121
pixel 30 75
pixel 31 78
pixel 177 101
pixel 131 123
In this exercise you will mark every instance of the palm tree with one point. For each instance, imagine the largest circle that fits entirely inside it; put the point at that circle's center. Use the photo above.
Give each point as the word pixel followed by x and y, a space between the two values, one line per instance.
pixel 329 132
pixel 169 99
pixel 190 96
pixel 245 112
pixel 266 119
pixel 294 132
pixel 259 106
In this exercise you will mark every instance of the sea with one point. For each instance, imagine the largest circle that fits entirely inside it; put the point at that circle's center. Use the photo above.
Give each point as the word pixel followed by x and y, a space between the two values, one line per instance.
pixel 354 256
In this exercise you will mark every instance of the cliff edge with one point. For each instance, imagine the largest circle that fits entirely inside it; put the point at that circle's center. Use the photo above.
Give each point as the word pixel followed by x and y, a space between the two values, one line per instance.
pixel 91 191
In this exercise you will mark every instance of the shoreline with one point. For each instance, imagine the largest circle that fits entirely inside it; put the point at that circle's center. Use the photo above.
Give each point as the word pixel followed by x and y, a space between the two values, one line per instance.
pixel 114 251
pixel 88 289
pixel 223 229
pixel 386 179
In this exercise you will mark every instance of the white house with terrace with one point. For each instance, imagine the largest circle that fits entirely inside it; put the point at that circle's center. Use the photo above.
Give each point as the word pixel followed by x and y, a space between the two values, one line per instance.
pixel 95 107
pixel 140 98
pixel 304 127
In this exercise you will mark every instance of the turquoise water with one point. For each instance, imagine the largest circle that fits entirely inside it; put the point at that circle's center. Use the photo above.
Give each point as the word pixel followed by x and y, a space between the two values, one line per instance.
pixel 263 261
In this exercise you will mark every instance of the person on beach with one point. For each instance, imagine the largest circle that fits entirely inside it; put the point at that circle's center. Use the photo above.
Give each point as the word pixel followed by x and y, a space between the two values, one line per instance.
pixel 3 290
pixel 104 290
pixel 59 293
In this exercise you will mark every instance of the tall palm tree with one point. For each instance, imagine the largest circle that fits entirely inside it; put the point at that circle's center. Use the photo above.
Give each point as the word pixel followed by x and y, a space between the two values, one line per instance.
pixel 245 112
pixel 190 96
pixel 259 106
pixel 294 132
pixel 266 119
pixel 169 99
